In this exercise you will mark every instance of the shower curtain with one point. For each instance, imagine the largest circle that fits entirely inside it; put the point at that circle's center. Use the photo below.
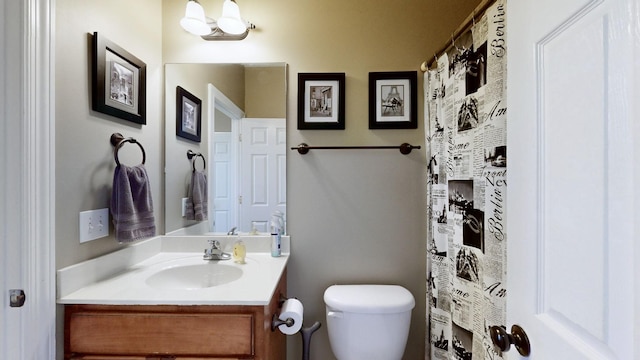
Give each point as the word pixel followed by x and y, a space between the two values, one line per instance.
pixel 466 133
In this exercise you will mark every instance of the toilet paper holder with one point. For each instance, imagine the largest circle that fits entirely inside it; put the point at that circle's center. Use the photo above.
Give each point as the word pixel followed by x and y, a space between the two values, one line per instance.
pixel 289 322
pixel 275 322
pixel 281 300
pixel 275 319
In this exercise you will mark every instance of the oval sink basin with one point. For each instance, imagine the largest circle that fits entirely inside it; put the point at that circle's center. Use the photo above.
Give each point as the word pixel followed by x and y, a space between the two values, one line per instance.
pixel 197 276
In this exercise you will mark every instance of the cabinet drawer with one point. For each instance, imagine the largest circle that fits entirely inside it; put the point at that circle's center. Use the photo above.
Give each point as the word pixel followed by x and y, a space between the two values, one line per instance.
pixel 150 357
pixel 126 333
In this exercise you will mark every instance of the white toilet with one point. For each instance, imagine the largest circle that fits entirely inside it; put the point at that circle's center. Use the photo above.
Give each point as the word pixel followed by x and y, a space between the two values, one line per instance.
pixel 368 321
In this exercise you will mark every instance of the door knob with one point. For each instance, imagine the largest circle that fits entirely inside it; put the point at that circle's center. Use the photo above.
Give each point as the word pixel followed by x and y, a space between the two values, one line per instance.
pixel 17 297
pixel 503 340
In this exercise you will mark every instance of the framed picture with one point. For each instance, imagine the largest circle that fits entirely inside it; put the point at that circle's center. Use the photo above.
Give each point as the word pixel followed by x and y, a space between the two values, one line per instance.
pixel 321 101
pixel 188 115
pixel 119 82
pixel 393 100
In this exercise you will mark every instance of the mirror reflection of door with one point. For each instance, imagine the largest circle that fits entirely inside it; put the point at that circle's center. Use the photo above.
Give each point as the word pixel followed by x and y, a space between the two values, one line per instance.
pixel 263 165
pixel 224 119
pixel 224 204
pixel 249 172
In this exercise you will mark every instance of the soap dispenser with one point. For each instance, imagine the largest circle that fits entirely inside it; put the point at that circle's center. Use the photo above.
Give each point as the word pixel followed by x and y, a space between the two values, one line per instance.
pixel 276 233
pixel 239 252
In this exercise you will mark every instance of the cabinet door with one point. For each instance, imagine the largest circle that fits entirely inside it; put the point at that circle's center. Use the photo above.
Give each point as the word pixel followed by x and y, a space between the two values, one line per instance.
pixel 166 357
pixel 140 333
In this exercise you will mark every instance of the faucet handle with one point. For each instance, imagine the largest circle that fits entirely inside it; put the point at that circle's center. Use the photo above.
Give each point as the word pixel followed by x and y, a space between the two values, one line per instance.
pixel 215 244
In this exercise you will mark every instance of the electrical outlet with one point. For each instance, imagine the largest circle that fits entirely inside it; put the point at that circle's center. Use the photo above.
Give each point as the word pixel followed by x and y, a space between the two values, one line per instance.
pixel 184 206
pixel 94 224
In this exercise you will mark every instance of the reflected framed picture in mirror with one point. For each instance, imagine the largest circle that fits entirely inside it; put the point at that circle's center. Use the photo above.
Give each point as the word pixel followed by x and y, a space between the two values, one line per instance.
pixel 393 100
pixel 119 82
pixel 188 115
pixel 321 101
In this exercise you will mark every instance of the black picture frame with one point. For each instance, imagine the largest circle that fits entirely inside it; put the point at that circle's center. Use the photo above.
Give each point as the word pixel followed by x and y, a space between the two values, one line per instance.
pixel 321 101
pixel 188 115
pixel 393 100
pixel 119 81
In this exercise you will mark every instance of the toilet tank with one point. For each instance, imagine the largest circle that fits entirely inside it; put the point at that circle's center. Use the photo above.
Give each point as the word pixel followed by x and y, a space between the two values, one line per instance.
pixel 368 321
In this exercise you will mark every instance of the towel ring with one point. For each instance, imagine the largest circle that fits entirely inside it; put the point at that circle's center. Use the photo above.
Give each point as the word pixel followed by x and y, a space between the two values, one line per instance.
pixel 191 154
pixel 117 140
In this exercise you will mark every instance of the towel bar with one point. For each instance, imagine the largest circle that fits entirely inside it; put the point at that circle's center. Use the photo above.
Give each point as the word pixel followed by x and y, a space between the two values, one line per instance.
pixel 404 148
pixel 191 154
pixel 117 140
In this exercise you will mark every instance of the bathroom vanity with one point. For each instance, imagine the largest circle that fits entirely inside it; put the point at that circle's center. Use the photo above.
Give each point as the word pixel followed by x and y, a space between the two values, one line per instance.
pixel 150 302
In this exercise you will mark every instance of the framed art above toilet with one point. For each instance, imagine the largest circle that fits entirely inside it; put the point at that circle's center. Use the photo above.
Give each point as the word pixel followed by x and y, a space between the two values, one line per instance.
pixel 321 101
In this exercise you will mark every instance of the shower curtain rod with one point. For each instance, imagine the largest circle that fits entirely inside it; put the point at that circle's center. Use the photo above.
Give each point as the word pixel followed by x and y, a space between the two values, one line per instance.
pixel 464 26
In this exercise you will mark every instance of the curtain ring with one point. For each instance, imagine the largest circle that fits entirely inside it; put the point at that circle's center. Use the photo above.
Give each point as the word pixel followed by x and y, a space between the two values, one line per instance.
pixel 453 43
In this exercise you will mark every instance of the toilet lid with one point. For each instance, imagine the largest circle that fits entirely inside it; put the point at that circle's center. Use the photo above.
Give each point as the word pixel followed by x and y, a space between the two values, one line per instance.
pixel 369 299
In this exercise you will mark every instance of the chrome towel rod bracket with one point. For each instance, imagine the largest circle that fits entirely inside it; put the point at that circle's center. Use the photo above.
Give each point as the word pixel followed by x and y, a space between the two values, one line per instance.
pixel 405 148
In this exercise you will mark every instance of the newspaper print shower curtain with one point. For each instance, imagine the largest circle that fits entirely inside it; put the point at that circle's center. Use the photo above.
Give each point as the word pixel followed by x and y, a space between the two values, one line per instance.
pixel 466 113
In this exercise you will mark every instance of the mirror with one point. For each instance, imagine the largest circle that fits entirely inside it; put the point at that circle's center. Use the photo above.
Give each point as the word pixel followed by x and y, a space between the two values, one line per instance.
pixel 242 139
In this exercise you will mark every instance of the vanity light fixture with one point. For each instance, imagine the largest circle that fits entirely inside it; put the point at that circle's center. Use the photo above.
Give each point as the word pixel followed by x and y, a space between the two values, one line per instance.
pixel 229 26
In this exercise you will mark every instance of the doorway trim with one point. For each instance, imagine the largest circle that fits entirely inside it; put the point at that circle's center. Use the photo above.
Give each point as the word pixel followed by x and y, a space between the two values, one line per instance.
pixel 29 148
pixel 218 100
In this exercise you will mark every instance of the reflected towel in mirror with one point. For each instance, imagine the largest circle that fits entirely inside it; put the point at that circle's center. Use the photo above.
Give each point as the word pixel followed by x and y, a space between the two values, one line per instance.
pixel 197 197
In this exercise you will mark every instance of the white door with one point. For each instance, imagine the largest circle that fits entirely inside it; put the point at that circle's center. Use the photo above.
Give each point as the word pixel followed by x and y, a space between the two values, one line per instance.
pixel 263 169
pixel 222 110
pixel 27 246
pixel 573 169
pixel 224 200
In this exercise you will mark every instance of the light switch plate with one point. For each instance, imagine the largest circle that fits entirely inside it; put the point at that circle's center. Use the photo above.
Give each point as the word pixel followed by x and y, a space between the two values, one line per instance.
pixel 94 224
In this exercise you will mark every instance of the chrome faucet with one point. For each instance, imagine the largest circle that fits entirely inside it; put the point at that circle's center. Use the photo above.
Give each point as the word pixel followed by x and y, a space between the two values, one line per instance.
pixel 232 231
pixel 215 252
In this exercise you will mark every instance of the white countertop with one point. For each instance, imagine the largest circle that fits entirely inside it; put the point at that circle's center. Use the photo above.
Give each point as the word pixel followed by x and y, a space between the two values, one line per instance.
pixel 120 278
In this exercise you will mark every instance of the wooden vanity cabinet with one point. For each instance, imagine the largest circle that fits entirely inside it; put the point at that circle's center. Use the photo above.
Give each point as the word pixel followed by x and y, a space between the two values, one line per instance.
pixel 180 332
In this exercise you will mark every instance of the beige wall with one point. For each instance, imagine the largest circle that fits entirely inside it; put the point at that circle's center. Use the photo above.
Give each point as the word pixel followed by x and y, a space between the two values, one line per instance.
pixel 354 216
pixel 84 155
pixel 266 92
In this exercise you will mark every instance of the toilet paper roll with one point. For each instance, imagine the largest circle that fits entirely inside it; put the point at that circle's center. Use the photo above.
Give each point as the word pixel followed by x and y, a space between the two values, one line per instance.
pixel 291 308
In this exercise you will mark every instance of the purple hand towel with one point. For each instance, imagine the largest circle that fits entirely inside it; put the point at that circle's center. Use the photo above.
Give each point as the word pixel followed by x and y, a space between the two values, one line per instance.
pixel 197 197
pixel 131 204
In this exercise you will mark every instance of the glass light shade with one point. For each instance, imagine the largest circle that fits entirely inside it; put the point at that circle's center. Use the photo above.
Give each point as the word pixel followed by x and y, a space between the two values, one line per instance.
pixel 230 21
pixel 193 20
